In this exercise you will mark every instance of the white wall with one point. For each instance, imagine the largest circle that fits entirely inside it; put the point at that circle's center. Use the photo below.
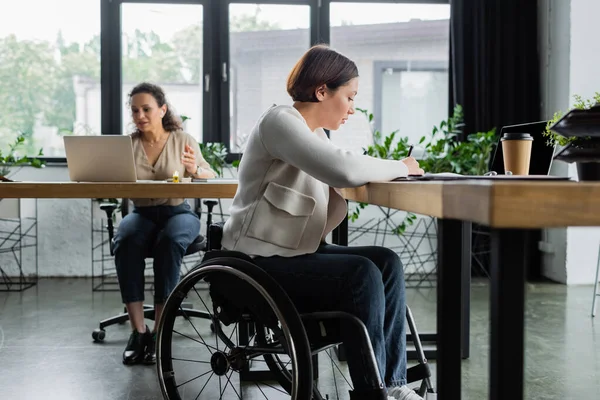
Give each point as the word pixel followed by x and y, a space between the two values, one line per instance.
pixel 570 55
pixel 582 243
pixel 555 39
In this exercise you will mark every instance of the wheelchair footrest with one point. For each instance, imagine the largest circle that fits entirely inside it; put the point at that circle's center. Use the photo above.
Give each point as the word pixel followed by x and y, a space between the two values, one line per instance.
pixel 418 372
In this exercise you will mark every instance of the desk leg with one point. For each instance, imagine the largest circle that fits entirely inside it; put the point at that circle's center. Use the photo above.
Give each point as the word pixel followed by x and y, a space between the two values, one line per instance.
pixel 507 313
pixel 465 282
pixel 449 304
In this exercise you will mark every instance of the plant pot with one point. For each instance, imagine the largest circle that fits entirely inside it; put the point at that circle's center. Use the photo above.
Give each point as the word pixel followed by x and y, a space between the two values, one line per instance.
pixel 588 171
pixel 585 153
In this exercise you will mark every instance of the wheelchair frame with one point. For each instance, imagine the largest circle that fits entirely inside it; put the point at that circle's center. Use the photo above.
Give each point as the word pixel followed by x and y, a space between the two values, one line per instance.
pixel 219 261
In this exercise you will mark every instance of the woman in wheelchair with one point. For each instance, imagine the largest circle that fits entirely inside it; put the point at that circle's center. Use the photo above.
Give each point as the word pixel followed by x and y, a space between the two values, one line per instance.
pixel 287 203
pixel 162 227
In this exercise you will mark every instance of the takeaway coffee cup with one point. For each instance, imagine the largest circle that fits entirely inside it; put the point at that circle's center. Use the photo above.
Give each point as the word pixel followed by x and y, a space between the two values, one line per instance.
pixel 516 150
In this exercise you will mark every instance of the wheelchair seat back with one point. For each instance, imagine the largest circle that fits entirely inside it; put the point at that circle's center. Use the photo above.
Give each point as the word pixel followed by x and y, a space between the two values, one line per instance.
pixel 233 298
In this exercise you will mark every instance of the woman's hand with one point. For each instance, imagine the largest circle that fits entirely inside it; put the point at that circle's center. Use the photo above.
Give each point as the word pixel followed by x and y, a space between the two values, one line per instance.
pixel 413 166
pixel 188 159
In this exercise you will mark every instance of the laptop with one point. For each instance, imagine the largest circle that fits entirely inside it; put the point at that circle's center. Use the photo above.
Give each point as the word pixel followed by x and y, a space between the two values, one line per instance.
pixel 103 158
pixel 541 153
pixel 539 165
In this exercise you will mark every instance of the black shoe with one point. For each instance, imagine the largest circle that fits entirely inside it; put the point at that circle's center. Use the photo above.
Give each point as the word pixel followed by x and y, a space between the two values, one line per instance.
pixel 150 353
pixel 136 346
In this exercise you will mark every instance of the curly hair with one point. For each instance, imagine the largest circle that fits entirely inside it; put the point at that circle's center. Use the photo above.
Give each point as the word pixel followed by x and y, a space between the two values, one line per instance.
pixel 170 122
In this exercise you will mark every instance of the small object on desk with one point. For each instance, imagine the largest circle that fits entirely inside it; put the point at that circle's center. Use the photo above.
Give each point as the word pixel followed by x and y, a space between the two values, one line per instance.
pixel 410 150
pixel 176 176
pixel 182 180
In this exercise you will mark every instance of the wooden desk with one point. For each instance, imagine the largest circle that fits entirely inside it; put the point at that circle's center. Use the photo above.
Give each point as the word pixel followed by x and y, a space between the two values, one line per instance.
pixel 498 204
pixel 73 190
pixel 510 209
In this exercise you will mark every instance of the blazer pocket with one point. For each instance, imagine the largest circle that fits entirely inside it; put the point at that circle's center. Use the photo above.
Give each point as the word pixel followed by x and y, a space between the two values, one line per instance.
pixel 281 216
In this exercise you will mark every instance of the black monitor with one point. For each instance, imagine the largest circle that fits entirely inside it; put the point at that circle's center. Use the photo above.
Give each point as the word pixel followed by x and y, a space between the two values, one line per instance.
pixel 541 152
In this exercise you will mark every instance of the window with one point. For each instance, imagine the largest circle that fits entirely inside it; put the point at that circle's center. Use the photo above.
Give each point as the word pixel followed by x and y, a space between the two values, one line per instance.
pixel 162 44
pixel 402 55
pixel 223 63
pixel 265 41
pixel 46 65
pixel 410 97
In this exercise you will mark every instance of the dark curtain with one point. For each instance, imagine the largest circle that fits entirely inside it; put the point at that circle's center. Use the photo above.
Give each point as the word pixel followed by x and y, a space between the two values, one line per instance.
pixel 494 62
pixel 495 75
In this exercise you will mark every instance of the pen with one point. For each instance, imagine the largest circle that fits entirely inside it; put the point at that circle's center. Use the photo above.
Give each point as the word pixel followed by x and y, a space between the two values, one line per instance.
pixel 410 150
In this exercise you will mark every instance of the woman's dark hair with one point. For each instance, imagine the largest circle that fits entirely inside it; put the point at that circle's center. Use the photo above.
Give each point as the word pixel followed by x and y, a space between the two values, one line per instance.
pixel 320 65
pixel 169 121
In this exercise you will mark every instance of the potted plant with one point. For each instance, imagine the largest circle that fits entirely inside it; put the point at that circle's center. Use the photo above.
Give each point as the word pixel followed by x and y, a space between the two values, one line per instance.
pixel 215 154
pixel 578 133
pixel 10 208
pixel 442 152
pixel 13 159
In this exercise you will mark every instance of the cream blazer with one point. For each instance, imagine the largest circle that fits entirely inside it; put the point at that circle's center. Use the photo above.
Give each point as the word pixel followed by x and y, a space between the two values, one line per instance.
pixel 287 201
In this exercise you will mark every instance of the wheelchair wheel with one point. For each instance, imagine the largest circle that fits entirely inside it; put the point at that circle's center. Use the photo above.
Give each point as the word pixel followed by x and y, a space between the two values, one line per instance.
pixel 334 387
pixel 195 363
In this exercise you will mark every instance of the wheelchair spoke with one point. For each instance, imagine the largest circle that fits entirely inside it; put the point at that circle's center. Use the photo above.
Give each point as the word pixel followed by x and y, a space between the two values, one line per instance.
pixel 337 392
pixel 229 383
pixel 212 318
pixel 234 331
pixel 273 387
pixel 193 379
pixel 337 367
pixel 209 347
pixel 205 383
pixel 226 340
pixel 192 361
pixel 263 393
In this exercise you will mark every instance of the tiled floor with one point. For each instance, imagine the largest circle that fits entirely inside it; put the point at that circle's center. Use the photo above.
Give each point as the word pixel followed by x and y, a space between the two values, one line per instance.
pixel 46 349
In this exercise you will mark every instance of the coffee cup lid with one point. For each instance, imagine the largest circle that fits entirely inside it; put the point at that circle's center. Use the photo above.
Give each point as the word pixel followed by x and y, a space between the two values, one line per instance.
pixel 516 136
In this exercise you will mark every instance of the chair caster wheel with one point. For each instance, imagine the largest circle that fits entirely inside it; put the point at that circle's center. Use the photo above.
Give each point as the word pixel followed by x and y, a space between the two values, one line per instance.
pixel 98 335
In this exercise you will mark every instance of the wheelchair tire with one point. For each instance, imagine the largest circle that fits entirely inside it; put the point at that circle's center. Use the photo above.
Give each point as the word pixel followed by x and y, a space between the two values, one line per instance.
pixel 295 342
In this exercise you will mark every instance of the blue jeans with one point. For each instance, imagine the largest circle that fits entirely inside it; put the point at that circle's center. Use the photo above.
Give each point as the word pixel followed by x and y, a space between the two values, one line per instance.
pixel 164 232
pixel 367 282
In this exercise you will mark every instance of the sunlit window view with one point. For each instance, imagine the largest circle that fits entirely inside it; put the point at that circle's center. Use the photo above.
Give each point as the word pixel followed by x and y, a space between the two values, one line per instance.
pixel 402 55
pixel 46 65
pixel 50 67
pixel 162 44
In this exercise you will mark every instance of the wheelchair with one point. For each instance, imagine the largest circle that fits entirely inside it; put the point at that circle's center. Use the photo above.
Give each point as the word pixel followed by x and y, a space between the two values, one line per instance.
pixel 254 343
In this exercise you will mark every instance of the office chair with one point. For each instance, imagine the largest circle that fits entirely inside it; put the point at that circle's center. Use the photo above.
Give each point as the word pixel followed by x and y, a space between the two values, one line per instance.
pixel 198 245
pixel 596 294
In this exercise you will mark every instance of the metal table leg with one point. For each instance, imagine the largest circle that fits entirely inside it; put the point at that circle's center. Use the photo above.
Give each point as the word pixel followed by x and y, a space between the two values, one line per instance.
pixel 449 306
pixel 507 313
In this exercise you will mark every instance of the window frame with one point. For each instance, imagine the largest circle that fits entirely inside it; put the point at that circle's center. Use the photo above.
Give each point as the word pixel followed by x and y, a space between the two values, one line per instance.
pixel 111 61
pixel 215 127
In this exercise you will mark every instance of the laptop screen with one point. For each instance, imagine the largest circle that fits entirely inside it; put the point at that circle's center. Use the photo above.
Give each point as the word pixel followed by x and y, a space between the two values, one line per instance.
pixel 541 153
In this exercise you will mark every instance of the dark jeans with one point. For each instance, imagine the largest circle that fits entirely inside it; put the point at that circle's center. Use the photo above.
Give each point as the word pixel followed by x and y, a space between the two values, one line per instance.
pixel 367 282
pixel 165 232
